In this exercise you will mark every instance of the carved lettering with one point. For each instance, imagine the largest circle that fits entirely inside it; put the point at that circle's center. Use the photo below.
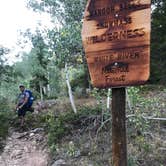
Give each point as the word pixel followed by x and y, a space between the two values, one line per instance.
pixel 103 59
pixel 128 55
pixel 114 23
pixel 109 79
pixel 134 4
pixel 120 55
pixel 115 68
pixel 116 36
pixel 123 6
pixel 102 12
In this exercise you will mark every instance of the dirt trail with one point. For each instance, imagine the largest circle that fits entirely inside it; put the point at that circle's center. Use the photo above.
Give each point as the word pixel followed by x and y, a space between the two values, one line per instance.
pixel 25 149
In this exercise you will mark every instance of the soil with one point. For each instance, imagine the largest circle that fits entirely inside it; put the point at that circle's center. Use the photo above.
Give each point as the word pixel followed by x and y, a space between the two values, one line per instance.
pixel 24 148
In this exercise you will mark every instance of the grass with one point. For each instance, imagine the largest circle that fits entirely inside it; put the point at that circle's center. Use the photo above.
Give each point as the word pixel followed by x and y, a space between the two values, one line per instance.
pixel 5 119
pixel 58 127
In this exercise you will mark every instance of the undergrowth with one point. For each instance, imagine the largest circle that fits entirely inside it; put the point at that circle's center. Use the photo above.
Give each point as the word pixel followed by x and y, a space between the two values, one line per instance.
pixel 140 131
pixel 62 125
pixel 5 119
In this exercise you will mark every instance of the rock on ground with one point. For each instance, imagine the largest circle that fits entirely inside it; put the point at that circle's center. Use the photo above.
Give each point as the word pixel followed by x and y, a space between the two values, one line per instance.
pixel 25 149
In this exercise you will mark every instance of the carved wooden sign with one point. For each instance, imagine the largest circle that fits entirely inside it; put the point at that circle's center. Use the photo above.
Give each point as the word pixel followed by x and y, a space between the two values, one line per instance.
pixel 116 40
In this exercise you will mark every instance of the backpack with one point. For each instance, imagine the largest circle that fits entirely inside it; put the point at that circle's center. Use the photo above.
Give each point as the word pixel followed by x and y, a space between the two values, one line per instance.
pixel 30 99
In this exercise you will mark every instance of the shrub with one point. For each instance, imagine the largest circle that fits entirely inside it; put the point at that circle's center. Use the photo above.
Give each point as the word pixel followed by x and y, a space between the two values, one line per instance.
pixel 5 118
pixel 59 126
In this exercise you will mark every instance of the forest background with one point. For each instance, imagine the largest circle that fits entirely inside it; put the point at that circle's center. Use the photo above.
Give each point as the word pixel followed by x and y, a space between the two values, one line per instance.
pixel 43 68
pixel 57 55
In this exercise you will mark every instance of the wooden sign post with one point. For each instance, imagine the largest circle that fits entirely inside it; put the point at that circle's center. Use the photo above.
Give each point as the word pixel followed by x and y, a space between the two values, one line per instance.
pixel 116 40
pixel 119 143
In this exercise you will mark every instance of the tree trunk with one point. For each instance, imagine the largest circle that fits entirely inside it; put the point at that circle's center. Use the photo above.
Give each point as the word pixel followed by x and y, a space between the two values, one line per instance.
pixel 128 101
pixel 48 85
pixel 108 98
pixel 69 90
pixel 41 92
pixel 48 90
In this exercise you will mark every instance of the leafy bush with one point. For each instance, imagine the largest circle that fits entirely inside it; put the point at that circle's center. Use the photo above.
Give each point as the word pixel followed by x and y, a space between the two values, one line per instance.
pixel 5 118
pixel 4 104
pixel 132 161
pixel 59 126
pixel 4 123
pixel 78 92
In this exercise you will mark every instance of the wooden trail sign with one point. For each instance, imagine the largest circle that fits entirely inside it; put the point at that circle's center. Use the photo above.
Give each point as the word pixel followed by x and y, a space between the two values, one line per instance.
pixel 116 39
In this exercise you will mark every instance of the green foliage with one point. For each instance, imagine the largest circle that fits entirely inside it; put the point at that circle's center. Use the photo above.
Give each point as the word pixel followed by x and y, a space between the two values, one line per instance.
pixel 134 96
pixel 132 161
pixel 3 104
pixel 142 144
pixel 6 71
pixel 64 11
pixel 9 93
pixel 71 149
pixel 98 93
pixel 59 126
pixel 138 102
pixel 38 62
pixel 137 125
pixel 55 81
pixel 65 44
pixel 33 121
pixel 3 51
pixel 158 40
pixel 150 102
pixel 56 129
pixel 5 123
pixel 78 81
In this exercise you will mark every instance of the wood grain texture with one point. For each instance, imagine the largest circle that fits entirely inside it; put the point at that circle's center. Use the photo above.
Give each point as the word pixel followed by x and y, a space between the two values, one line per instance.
pixel 116 40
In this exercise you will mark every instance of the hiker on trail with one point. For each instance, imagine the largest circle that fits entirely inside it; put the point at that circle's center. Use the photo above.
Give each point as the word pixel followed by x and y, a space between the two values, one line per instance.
pixel 25 101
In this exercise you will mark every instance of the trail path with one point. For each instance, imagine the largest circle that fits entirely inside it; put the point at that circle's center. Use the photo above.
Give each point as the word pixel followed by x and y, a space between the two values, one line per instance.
pixel 25 149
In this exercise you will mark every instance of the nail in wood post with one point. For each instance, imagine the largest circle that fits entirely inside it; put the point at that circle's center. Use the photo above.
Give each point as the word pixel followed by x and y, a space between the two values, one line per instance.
pixel 119 146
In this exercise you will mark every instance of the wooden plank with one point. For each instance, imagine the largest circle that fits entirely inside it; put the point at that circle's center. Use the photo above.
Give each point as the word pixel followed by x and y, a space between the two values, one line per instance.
pixel 119 143
pixel 116 39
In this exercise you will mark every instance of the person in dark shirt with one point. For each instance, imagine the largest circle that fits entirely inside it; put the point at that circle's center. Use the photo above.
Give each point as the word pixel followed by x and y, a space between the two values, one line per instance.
pixel 22 105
